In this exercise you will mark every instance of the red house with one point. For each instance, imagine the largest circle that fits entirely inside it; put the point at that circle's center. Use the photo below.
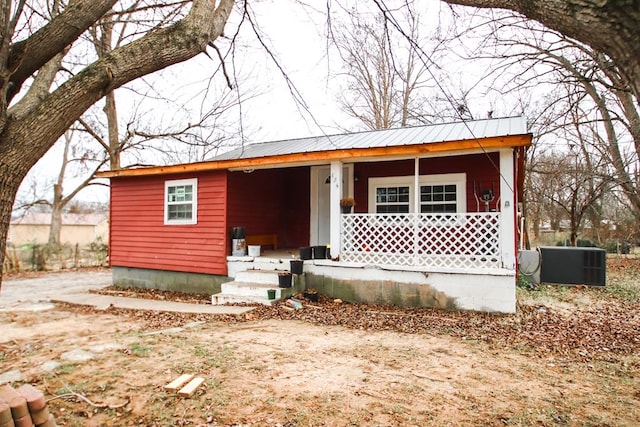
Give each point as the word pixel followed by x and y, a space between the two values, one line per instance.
pixel 435 220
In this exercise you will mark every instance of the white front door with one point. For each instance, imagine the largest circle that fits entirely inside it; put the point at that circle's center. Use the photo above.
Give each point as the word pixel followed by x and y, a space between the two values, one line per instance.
pixel 320 193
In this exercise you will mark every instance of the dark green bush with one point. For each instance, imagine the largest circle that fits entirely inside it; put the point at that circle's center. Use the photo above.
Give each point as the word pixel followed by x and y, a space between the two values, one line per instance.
pixel 615 246
pixel 581 243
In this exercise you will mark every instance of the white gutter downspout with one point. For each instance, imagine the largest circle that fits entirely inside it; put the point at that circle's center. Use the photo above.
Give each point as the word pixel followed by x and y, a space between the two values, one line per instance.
pixel 334 208
pixel 416 209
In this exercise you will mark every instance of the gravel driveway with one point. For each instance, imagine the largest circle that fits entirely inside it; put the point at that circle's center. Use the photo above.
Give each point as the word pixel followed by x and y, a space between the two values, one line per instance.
pixel 26 294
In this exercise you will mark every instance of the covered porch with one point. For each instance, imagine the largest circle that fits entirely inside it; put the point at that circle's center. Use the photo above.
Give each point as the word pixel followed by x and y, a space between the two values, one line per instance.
pixel 300 207
pixel 428 237
pixel 464 259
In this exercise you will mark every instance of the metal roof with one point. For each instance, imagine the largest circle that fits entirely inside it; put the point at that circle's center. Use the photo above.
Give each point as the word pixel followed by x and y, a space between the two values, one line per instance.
pixel 389 143
pixel 457 131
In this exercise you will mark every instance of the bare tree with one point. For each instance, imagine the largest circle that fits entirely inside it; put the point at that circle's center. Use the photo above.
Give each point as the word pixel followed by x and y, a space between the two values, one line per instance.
pixel 385 78
pixel 562 179
pixel 37 122
pixel 587 99
pixel 101 125
pixel 573 180
pixel 60 200
pixel 609 27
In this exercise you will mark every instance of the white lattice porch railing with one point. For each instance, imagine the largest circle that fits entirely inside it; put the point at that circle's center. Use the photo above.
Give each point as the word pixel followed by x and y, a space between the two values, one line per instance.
pixel 459 241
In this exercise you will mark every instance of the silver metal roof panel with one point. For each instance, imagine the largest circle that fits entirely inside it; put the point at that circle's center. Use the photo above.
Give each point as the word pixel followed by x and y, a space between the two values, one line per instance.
pixel 457 131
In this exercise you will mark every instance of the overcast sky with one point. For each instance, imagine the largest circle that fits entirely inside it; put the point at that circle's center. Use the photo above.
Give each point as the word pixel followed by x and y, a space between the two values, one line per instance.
pixel 297 36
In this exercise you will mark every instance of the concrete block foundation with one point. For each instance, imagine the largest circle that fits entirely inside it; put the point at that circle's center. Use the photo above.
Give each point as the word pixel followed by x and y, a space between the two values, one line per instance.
pixel 195 283
pixel 491 292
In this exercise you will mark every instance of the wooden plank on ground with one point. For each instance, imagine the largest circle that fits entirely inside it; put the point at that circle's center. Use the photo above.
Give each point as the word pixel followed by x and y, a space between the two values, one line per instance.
pixel 190 388
pixel 178 382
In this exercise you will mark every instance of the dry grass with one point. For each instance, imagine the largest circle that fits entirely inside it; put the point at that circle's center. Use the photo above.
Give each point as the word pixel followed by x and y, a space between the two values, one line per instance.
pixel 366 366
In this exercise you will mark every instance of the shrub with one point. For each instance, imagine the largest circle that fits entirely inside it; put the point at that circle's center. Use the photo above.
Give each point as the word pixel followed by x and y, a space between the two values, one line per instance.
pixel 615 247
pixel 581 243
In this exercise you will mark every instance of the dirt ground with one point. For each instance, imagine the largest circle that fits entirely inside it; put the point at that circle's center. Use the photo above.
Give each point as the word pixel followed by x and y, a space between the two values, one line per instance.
pixel 568 357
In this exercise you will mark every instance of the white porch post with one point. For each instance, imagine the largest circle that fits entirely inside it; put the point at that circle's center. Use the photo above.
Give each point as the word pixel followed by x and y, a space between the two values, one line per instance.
pixel 334 209
pixel 507 209
pixel 416 186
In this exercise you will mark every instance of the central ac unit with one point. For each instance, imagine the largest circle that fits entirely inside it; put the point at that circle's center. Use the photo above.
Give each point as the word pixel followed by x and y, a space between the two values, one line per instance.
pixel 573 266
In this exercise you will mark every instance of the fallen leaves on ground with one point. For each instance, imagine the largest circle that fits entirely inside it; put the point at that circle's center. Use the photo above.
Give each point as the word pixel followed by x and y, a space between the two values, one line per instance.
pixel 601 333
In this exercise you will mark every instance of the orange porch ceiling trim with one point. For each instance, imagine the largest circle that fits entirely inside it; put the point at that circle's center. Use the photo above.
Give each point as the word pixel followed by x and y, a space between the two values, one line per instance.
pixel 328 155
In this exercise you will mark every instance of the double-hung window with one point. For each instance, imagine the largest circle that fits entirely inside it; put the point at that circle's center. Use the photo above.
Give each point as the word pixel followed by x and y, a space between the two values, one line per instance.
pixel 181 201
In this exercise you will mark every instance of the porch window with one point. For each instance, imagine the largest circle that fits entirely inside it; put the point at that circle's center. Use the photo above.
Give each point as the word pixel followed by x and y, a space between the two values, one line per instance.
pixel 181 201
pixel 392 199
pixel 439 193
pixel 438 198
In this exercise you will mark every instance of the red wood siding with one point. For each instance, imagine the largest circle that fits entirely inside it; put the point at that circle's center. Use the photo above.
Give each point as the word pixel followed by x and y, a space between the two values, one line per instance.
pixel 478 167
pixel 139 237
pixel 271 201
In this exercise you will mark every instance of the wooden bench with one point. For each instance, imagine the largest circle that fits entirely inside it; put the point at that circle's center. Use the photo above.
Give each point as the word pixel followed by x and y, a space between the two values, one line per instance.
pixel 263 240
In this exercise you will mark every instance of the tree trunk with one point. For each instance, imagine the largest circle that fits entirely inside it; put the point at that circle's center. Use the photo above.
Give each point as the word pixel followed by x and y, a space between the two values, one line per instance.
pixel 535 226
pixel 573 237
pixel 113 133
pixel 58 198
pixel 25 140
pixel 9 184
pixel 56 216
pixel 103 48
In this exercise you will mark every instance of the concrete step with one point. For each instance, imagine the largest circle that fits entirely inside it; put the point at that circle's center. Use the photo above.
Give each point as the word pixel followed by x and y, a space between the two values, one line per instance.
pixel 222 298
pixel 249 288
pixel 238 264
pixel 251 293
pixel 271 264
pixel 258 276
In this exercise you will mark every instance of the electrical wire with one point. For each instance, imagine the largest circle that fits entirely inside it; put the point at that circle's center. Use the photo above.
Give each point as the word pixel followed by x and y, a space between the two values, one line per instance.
pixel 388 15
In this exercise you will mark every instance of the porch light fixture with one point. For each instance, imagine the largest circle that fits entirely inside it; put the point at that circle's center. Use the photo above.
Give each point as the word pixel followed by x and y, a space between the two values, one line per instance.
pixel 248 170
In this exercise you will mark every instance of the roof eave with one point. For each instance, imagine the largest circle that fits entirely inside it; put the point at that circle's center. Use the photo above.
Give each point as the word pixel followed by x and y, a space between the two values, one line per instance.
pixel 508 141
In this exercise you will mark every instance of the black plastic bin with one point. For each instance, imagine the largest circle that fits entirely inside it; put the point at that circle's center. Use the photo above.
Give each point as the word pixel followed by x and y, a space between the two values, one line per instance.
pixel 296 266
pixel 305 252
pixel 284 280
pixel 319 252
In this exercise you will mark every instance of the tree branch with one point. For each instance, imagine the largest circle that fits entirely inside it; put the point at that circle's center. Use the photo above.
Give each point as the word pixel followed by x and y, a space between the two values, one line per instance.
pixel 29 55
pixel 155 51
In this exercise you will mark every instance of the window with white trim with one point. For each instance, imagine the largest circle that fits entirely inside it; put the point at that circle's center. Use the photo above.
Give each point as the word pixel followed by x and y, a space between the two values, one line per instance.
pixel 440 193
pixel 181 201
